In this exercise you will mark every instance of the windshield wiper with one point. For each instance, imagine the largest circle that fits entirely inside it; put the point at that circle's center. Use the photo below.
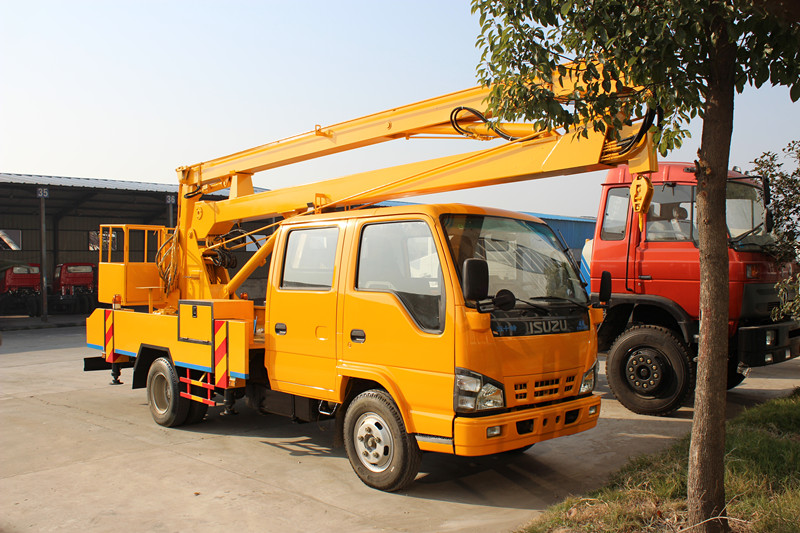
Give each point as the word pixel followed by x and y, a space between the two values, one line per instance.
pixel 746 233
pixel 538 307
pixel 561 299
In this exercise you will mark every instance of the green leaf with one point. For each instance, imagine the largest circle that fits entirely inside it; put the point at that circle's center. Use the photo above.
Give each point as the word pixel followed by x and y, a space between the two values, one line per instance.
pixel 794 93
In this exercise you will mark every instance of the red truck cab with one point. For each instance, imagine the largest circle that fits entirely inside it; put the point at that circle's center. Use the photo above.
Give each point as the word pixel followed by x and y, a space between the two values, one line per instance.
pixel 651 329
pixel 73 278
pixel 20 289
pixel 21 278
pixel 74 288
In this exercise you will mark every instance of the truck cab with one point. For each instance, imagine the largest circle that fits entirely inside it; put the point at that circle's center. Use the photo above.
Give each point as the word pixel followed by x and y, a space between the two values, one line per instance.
pixel 20 289
pixel 74 278
pixel 651 329
pixel 74 288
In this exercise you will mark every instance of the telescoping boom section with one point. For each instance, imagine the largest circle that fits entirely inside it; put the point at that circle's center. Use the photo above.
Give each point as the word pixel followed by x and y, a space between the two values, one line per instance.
pixel 443 328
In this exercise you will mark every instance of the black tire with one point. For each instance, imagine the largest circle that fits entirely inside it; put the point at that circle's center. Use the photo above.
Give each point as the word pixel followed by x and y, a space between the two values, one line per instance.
pixel 83 304
pixel 734 377
pixel 167 406
pixel 197 411
pixel 650 370
pixel 383 455
pixel 30 306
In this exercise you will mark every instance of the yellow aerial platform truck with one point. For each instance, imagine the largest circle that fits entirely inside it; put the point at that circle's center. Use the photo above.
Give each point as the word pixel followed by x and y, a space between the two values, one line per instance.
pixel 442 328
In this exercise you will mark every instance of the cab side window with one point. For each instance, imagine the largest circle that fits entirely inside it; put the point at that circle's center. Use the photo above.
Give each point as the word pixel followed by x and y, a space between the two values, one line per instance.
pixel 615 216
pixel 401 258
pixel 309 259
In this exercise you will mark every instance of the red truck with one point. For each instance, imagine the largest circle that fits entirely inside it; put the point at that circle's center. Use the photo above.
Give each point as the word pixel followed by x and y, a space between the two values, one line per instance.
pixel 651 328
pixel 20 289
pixel 74 288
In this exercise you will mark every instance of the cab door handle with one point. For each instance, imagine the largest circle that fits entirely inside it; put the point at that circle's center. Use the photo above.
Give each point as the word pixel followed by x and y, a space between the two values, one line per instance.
pixel 358 335
pixel 280 328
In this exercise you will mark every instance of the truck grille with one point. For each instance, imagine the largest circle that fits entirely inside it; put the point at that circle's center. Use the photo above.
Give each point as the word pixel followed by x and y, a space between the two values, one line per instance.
pixel 547 387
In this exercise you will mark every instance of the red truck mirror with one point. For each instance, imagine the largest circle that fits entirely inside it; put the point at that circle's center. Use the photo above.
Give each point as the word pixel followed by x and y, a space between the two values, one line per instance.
pixel 605 287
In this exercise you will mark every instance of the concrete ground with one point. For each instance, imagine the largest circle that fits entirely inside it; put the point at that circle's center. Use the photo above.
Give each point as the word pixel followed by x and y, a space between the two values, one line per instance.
pixel 78 454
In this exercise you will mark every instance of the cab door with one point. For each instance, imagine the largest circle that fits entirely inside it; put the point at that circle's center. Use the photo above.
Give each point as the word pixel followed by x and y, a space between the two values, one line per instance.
pixel 667 257
pixel 301 304
pixel 397 326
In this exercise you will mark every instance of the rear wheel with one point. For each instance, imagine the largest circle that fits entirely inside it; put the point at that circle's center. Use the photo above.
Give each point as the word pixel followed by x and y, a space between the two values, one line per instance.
pixel 30 306
pixel 381 452
pixel 197 411
pixel 83 304
pixel 163 394
pixel 650 370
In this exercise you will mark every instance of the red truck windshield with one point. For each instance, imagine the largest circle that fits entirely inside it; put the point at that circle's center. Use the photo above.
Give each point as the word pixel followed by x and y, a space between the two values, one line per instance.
pixel 745 216
pixel 673 215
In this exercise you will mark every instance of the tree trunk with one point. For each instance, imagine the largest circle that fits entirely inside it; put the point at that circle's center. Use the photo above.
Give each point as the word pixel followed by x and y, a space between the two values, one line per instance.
pixel 706 489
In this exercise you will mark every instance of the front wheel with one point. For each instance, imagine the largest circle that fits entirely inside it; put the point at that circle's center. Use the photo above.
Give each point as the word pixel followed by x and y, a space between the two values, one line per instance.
pixel 163 394
pixel 650 370
pixel 381 452
pixel 734 376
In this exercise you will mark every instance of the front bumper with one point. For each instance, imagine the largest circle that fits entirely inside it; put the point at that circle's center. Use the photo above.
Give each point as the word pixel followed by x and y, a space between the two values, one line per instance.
pixel 753 347
pixel 524 427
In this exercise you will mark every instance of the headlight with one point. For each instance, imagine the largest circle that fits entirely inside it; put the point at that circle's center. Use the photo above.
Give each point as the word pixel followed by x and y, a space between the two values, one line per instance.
pixel 589 379
pixel 476 392
pixel 490 397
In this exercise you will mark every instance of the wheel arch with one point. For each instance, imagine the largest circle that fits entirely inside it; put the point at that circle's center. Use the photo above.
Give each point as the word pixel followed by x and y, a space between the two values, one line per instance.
pixel 362 380
pixel 626 309
pixel 147 354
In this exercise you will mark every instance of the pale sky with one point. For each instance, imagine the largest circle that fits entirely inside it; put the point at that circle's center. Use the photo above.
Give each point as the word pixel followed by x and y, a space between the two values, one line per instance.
pixel 130 90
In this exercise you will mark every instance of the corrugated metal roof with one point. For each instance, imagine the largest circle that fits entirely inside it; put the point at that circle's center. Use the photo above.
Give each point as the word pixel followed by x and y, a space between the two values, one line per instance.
pixel 92 183
pixel 89 183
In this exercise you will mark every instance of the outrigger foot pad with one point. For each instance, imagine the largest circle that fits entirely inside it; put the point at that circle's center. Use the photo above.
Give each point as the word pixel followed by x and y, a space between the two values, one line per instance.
pixel 115 373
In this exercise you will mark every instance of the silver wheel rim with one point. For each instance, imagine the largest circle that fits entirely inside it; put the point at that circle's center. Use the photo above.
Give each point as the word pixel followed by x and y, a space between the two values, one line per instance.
pixel 373 441
pixel 161 393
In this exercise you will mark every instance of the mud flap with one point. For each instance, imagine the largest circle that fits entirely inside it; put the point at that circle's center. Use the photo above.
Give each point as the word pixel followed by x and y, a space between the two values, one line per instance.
pixel 99 363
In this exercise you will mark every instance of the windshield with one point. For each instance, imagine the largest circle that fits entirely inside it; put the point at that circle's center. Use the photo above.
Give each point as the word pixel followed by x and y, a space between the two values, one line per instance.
pixel 745 216
pixel 524 257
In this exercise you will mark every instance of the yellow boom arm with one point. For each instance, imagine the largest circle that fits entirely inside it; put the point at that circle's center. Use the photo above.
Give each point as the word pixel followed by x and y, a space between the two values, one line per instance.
pixel 529 154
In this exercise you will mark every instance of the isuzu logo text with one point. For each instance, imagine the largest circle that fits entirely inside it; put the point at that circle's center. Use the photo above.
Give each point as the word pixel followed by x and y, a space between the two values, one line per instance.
pixel 524 326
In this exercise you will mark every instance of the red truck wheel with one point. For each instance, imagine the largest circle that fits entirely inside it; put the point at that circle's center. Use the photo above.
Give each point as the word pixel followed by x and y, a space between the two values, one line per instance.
pixel 650 370
pixel 734 377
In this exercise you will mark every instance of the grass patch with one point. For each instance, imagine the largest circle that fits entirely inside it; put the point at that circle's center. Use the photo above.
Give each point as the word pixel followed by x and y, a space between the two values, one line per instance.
pixel 762 482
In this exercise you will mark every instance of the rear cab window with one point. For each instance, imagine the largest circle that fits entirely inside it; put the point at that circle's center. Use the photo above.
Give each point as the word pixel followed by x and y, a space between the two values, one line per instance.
pixel 309 259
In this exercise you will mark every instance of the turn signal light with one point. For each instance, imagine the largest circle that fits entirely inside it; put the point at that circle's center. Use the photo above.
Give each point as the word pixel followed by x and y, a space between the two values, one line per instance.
pixel 752 271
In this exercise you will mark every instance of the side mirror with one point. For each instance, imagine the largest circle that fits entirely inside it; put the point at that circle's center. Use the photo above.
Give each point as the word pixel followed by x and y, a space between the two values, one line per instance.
pixel 504 300
pixel 605 287
pixel 475 275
